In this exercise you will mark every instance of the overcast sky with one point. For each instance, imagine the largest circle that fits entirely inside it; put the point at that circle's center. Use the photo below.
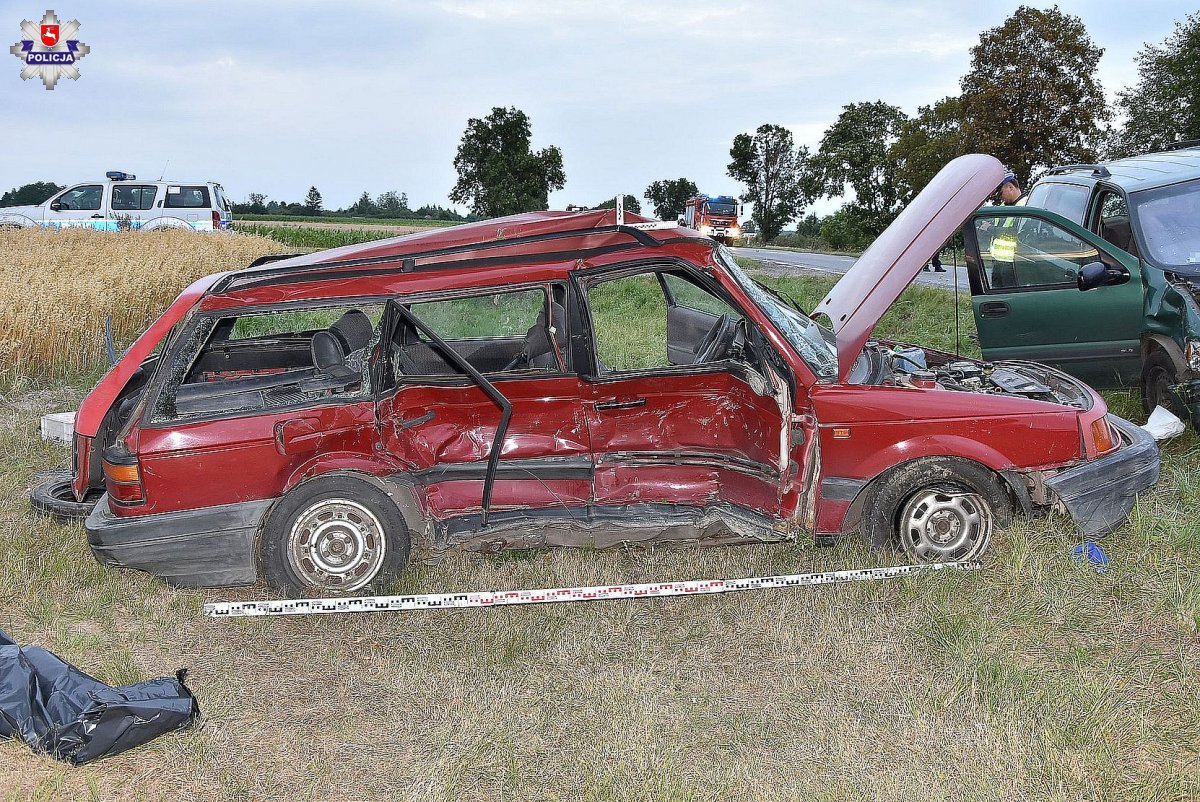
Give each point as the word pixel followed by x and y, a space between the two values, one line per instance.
pixel 274 97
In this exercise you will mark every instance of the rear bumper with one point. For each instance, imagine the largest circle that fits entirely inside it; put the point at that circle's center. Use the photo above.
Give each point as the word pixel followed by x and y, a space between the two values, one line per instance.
pixel 209 547
pixel 1100 493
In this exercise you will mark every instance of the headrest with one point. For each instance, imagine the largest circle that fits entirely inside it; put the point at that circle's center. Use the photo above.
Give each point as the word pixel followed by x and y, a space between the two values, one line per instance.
pixel 328 350
pixel 355 328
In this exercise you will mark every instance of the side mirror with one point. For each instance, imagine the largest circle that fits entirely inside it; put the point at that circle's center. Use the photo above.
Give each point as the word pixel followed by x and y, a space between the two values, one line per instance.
pixel 56 206
pixel 1098 274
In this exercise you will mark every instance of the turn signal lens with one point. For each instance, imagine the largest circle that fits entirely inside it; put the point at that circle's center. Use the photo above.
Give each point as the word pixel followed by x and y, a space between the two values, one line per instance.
pixel 1102 437
pixel 124 483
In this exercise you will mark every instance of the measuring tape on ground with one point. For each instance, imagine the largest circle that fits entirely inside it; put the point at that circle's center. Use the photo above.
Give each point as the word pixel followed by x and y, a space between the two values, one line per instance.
pixel 500 598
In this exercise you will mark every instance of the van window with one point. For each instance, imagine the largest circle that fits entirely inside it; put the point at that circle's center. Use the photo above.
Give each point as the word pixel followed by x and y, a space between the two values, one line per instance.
pixel 187 197
pixel 1069 200
pixel 133 198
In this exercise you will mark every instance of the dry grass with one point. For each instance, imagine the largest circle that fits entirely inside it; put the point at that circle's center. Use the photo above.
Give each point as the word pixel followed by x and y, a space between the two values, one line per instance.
pixel 1035 679
pixel 57 287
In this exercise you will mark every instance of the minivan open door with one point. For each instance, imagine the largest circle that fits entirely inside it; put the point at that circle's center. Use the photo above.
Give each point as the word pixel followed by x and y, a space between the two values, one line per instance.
pixel 1047 290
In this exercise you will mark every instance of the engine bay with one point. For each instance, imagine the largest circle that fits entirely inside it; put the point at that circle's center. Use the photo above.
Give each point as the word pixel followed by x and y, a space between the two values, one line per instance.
pixel 898 365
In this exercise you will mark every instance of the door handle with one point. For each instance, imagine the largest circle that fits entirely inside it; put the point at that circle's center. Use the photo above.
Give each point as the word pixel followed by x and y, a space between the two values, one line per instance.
pixel 993 309
pixel 97 217
pixel 613 403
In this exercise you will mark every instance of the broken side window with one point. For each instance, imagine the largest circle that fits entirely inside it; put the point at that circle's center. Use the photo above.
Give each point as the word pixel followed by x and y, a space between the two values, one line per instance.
pixel 516 331
pixel 271 360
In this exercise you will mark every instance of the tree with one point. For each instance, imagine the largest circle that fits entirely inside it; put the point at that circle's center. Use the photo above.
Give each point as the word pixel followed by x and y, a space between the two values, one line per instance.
pixel 31 194
pixel 669 196
pixel 498 173
pixel 1164 106
pixel 631 204
pixel 364 206
pixel 1031 98
pixel 855 152
pixel 843 229
pixel 927 143
pixel 772 169
pixel 393 204
pixel 312 202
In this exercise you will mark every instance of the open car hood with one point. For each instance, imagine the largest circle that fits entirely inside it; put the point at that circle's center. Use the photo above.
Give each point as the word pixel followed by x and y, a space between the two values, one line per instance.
pixel 857 302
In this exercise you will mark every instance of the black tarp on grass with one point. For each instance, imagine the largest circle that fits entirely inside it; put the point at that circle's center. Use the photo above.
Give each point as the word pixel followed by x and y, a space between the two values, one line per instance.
pixel 57 709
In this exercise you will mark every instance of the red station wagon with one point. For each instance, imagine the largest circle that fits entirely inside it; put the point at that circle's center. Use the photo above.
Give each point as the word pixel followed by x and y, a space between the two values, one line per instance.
pixel 559 378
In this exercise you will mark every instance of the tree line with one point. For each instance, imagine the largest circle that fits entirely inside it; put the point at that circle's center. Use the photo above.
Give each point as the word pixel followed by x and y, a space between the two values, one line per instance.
pixel 1030 97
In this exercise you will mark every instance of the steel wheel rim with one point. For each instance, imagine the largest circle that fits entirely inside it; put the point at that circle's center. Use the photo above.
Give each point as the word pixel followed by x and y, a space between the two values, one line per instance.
pixel 336 544
pixel 1160 381
pixel 941 524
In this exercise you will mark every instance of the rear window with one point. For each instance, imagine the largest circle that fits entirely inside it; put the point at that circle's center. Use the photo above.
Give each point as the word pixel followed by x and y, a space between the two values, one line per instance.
pixel 222 204
pixel 182 197
pixel 1069 200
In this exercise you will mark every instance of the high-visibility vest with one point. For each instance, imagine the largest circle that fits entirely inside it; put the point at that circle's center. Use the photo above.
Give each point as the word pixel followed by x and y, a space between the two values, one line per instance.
pixel 1004 244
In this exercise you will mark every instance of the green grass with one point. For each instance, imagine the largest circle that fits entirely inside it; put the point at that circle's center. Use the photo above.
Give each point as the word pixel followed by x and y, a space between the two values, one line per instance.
pixel 315 238
pixel 366 221
pixel 1034 679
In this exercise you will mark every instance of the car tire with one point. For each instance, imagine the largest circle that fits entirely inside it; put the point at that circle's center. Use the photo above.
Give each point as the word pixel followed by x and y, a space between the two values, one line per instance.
pixel 55 497
pixel 936 509
pixel 1158 373
pixel 333 536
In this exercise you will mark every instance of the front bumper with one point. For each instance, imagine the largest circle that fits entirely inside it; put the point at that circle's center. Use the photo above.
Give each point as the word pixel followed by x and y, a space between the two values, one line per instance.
pixel 208 547
pixel 1100 493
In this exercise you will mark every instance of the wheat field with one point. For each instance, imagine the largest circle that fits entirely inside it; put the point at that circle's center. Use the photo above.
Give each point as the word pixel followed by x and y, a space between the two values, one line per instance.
pixel 57 288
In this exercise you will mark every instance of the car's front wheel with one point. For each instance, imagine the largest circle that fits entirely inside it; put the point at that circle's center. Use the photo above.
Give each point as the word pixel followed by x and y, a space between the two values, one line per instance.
pixel 1158 376
pixel 332 536
pixel 938 509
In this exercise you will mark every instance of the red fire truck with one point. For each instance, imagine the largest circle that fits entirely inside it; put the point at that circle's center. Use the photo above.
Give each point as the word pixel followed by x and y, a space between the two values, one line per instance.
pixel 713 216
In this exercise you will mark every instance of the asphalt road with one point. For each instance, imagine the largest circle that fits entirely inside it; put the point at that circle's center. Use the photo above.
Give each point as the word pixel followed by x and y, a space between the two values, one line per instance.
pixel 797 263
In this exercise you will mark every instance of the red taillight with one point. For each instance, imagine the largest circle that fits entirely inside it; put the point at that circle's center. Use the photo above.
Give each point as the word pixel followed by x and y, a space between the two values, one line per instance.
pixel 123 478
pixel 216 221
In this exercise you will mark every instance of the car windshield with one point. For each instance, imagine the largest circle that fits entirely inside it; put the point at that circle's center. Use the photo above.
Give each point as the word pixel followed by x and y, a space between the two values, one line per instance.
pixel 1166 218
pixel 726 209
pixel 816 344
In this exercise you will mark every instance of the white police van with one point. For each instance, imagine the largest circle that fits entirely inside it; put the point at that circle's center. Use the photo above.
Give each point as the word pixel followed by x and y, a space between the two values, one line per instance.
pixel 120 202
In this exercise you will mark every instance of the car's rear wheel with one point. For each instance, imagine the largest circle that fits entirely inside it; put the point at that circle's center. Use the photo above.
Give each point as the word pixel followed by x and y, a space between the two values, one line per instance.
pixel 1158 376
pixel 333 536
pixel 937 509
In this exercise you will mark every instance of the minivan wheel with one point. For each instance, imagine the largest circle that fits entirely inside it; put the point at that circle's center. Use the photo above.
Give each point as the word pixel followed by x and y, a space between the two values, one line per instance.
pixel 334 535
pixel 937 509
pixel 1158 374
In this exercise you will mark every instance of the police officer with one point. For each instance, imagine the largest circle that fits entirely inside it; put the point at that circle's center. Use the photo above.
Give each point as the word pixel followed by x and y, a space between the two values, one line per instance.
pixel 1003 246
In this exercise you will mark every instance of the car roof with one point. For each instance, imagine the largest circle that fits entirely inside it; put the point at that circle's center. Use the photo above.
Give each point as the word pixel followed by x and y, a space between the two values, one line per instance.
pixel 1135 173
pixel 542 243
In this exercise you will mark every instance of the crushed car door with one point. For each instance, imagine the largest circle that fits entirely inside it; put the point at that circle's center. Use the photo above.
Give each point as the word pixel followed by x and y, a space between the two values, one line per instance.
pixel 678 414
pixel 1024 267
pixel 454 362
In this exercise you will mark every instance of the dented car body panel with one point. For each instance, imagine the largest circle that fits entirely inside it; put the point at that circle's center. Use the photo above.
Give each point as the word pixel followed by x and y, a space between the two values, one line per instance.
pixel 709 411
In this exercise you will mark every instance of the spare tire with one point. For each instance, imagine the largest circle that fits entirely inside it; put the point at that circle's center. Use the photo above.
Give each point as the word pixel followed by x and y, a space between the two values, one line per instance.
pixel 55 497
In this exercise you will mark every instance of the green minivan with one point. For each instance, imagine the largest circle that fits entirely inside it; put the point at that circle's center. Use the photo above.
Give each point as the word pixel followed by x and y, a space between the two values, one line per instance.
pixel 1098 275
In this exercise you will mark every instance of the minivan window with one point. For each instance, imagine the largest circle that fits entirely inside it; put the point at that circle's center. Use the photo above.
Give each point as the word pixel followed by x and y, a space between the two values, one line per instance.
pixel 187 197
pixel 1166 218
pixel 133 198
pixel 1069 200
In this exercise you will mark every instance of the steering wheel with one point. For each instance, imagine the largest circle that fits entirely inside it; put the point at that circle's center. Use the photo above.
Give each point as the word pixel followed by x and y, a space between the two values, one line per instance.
pixel 717 344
